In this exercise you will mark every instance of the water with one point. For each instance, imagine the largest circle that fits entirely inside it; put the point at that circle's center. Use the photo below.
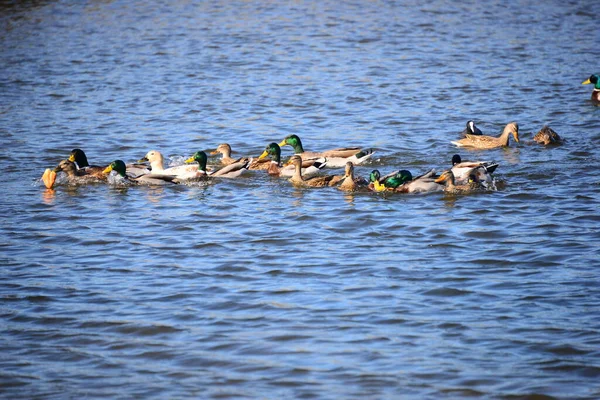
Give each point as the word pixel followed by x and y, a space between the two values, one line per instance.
pixel 255 289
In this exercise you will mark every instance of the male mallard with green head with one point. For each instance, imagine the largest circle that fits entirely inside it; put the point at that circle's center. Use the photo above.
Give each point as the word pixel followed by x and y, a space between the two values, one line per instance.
pixel 336 158
pixel 594 79
pixel 119 167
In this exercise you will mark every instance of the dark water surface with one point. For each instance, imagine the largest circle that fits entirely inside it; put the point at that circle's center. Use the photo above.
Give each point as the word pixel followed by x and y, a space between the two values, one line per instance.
pixel 255 289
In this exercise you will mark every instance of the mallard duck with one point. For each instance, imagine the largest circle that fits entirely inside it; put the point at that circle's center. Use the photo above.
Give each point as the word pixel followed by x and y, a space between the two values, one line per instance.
pixel 273 151
pixel 479 171
pixel 447 178
pixel 350 183
pixel 315 181
pixel 547 136
pixel 230 171
pixel 157 161
pixel 78 157
pixel 471 129
pixel 595 79
pixel 74 176
pixel 490 142
pixel 421 184
pixel 336 158
pixel 225 150
pixel 149 179
pixel 389 181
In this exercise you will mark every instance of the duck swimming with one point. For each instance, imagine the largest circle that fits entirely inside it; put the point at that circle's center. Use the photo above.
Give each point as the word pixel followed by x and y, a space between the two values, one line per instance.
pixel 479 171
pixel 447 178
pixel 490 142
pixel 388 182
pixel 273 151
pixel 547 136
pixel 225 150
pixel 78 157
pixel 157 165
pixel 595 80
pixel 421 184
pixel 230 171
pixel 315 181
pixel 336 158
pixel 74 176
pixel 149 179
pixel 350 183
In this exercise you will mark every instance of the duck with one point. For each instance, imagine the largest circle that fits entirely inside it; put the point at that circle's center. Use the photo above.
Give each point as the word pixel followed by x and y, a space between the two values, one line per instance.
pixel 479 171
pixel 595 79
pixel 273 151
pixel 547 136
pixel 336 158
pixel 230 171
pixel 490 142
pixel 450 186
pixel 78 157
pixel 148 179
pixel 421 184
pixel 471 129
pixel 350 183
pixel 316 181
pixel 74 176
pixel 157 165
pixel 389 181
pixel 225 150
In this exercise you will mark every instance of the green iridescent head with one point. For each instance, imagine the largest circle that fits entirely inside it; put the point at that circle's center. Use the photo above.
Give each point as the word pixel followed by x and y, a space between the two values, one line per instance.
pixel 294 141
pixel 201 158
pixel 400 178
pixel 374 176
pixel 118 166
pixel 273 151
pixel 595 79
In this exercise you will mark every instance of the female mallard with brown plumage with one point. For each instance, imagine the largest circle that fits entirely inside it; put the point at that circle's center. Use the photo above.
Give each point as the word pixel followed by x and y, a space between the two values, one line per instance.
pixel 350 183
pixel 547 136
pixel 336 158
pixel 225 150
pixel 490 142
pixel 594 79
pixel 315 181
pixel 447 178
pixel 73 175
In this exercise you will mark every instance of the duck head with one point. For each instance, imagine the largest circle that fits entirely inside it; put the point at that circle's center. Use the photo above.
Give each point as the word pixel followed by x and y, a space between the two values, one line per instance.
pixel 294 141
pixel 118 166
pixel 593 79
pixel 273 151
pixel 78 156
pixel 200 157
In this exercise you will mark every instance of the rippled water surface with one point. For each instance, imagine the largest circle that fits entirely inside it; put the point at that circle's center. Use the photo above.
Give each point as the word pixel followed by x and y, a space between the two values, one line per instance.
pixel 255 289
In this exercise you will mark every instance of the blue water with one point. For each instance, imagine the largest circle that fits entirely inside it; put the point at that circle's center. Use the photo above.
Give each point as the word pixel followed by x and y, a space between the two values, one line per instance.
pixel 252 288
